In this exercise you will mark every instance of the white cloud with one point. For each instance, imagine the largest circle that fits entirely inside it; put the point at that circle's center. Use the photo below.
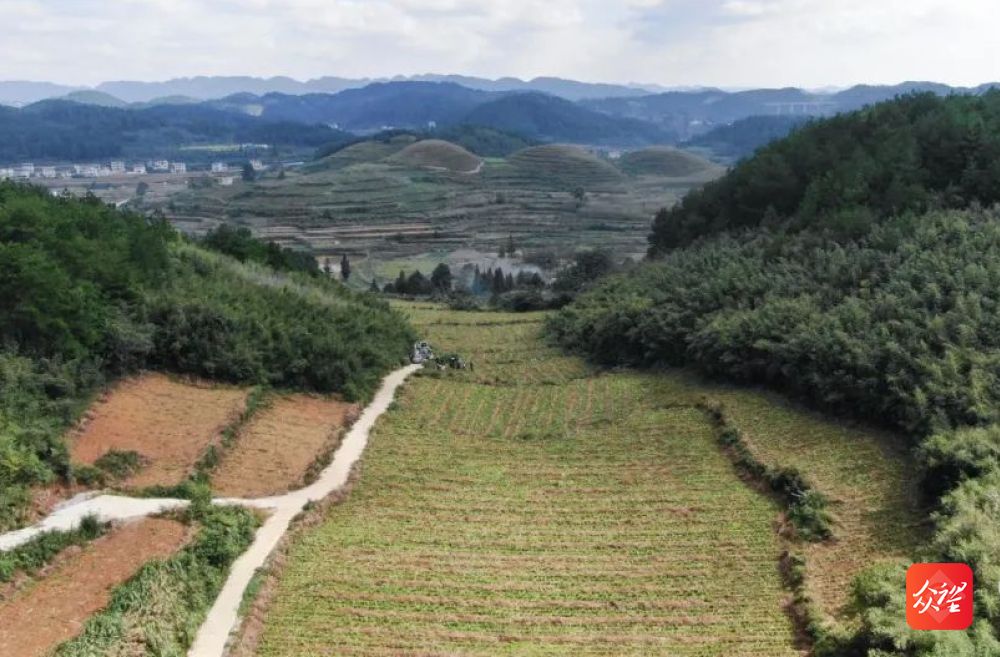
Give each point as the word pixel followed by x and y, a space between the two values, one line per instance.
pixel 722 42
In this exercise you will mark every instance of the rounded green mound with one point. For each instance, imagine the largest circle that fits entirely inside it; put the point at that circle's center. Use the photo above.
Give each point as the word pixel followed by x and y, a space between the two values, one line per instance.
pixel 438 154
pixel 362 152
pixel 568 164
pixel 663 161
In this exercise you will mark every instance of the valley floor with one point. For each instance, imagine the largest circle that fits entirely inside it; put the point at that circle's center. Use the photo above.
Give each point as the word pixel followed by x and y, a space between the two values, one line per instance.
pixel 531 506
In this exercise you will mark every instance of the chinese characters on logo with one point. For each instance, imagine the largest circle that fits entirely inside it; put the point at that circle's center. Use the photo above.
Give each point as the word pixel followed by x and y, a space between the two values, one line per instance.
pixel 939 596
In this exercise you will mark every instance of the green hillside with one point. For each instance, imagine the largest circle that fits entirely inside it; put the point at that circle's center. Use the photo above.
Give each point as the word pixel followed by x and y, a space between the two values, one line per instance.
pixel 88 294
pixel 361 152
pixel 568 166
pixel 843 174
pixel 438 154
pixel 663 161
pixel 842 290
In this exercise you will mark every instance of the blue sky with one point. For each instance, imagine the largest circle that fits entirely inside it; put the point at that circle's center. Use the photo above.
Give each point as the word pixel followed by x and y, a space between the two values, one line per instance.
pixel 733 43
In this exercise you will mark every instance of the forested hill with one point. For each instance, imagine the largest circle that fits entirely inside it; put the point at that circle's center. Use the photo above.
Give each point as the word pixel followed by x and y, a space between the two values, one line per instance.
pixel 64 130
pixel 845 173
pixel 852 265
pixel 741 138
pixel 88 294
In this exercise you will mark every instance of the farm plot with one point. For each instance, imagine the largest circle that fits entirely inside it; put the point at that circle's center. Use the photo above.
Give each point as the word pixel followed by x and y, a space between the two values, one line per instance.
pixel 167 422
pixel 274 453
pixel 869 476
pixel 566 514
pixel 43 614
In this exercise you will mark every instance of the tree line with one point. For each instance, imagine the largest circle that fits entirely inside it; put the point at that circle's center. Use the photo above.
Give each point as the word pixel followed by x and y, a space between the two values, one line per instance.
pixel 843 174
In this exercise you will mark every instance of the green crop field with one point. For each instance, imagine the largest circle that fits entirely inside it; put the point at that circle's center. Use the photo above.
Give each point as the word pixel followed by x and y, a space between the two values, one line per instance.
pixel 534 506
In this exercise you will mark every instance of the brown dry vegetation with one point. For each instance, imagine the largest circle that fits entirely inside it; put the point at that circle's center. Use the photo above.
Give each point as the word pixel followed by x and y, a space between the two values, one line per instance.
pixel 168 422
pixel 45 613
pixel 275 451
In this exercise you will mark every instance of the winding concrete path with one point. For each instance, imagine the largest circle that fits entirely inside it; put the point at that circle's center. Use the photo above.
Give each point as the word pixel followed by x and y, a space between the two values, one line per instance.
pixel 222 618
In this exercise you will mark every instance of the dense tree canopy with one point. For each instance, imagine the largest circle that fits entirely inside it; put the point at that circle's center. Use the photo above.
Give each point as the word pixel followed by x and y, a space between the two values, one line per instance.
pixel 240 243
pixel 913 154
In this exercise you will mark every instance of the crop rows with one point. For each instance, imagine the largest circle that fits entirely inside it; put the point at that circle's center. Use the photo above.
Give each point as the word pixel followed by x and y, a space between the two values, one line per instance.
pixel 587 515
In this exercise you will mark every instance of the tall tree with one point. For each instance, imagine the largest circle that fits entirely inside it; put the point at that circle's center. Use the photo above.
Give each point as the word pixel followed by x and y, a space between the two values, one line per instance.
pixel 345 268
pixel 441 277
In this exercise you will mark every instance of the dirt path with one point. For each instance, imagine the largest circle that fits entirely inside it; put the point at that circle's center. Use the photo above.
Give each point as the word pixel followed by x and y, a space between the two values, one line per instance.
pixel 222 618
pixel 55 609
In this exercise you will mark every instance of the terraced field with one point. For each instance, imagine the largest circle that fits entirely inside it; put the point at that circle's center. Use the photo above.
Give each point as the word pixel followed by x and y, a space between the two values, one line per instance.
pixel 381 202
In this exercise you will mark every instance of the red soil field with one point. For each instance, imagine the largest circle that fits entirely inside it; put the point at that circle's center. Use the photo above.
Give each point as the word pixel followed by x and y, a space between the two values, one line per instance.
pixel 54 609
pixel 169 422
pixel 274 452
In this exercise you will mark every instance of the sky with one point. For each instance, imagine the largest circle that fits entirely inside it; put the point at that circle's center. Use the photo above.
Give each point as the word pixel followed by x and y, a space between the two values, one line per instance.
pixel 729 43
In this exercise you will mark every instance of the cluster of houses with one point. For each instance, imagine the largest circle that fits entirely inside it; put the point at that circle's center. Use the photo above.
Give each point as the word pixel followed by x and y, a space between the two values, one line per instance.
pixel 106 170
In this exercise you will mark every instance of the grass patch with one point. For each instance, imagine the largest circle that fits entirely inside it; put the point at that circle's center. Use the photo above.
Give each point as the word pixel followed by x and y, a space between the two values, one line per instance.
pixel 119 465
pixel 40 551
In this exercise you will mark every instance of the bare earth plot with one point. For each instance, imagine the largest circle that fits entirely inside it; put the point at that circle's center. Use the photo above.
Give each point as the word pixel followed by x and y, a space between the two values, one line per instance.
pixel 274 452
pixel 54 609
pixel 532 508
pixel 168 422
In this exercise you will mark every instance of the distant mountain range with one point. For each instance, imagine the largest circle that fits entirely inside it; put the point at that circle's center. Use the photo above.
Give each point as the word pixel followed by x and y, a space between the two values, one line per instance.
pixel 65 131
pixel 689 113
pixel 301 119
pixel 422 105
pixel 216 87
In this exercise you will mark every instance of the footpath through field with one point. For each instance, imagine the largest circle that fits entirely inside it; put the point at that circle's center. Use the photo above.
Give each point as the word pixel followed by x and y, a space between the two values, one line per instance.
pixel 211 638
pixel 530 506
